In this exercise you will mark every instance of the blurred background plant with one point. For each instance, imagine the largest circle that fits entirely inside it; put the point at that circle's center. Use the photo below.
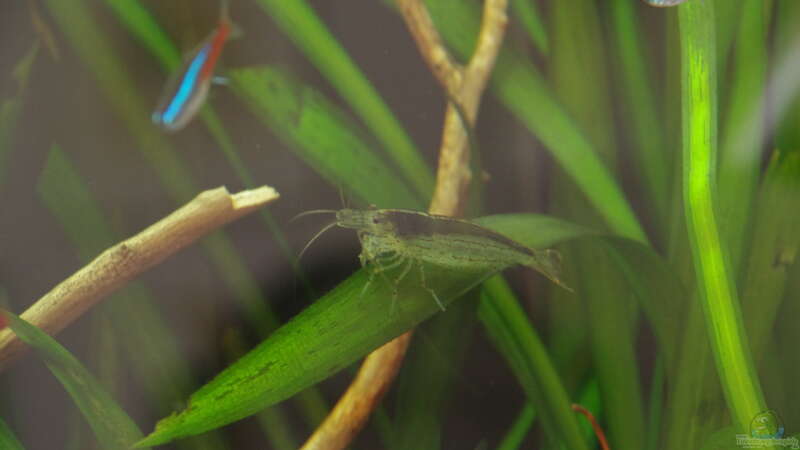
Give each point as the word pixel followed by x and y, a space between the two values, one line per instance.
pixel 583 121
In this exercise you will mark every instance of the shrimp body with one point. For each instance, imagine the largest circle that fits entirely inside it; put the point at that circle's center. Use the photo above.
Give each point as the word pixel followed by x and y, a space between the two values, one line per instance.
pixel 394 237
pixel 400 239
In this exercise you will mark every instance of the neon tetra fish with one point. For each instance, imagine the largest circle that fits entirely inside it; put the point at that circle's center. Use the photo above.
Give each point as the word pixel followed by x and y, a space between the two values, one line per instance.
pixel 185 94
pixel 392 238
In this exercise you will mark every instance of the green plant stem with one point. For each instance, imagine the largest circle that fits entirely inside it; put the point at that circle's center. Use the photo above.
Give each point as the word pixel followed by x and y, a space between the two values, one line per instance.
pixel 717 290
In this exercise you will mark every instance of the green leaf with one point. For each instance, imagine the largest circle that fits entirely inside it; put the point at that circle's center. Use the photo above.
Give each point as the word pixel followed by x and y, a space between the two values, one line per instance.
pixel 774 249
pixel 716 287
pixel 347 323
pixel 512 333
pixel 527 13
pixel 299 21
pixel 7 439
pixel 111 425
pixel 646 133
pixel 323 136
pixel 332 333
pixel 742 136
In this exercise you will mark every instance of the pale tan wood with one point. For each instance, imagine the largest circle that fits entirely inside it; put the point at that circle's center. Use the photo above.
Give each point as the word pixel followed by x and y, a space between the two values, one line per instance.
pixel 123 262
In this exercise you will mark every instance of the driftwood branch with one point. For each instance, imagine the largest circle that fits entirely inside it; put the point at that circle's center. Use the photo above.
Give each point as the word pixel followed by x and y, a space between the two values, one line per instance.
pixel 123 262
pixel 464 85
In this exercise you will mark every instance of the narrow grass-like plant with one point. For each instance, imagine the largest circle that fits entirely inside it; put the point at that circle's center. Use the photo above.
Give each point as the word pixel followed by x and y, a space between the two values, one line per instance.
pixel 112 426
pixel 660 147
pixel 716 286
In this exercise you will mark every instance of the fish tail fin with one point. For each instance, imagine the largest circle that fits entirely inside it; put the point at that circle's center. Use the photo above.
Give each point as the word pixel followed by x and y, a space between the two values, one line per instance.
pixel 548 263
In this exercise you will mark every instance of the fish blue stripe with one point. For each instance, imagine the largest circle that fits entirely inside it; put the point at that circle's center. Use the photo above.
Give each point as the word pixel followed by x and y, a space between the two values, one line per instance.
pixel 187 86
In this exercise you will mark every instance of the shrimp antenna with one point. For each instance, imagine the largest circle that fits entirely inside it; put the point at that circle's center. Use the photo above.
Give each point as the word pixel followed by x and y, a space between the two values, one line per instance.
pixel 326 228
pixel 313 211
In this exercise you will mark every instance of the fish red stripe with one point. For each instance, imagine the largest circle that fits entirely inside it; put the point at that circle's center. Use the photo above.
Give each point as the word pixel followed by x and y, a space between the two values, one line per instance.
pixel 216 49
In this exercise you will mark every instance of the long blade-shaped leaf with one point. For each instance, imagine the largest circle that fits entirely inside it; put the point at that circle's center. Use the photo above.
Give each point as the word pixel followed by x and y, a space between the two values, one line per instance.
pixel 112 426
pixel 743 131
pixel 320 134
pixel 353 319
pixel 775 246
pixel 512 333
pixel 299 21
pixel 344 325
pixel 717 289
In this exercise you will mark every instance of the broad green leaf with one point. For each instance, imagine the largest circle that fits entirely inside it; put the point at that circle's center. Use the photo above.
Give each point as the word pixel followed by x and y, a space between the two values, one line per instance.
pixel 7 439
pixel 324 137
pixel 332 333
pixel 111 425
pixel 354 318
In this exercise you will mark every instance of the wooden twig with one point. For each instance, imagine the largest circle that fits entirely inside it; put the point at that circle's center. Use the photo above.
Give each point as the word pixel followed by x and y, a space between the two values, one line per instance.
pixel 121 263
pixel 464 85
pixel 340 428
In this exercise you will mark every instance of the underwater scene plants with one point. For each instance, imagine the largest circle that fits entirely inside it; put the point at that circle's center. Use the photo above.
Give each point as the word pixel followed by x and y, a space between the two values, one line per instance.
pixel 399 224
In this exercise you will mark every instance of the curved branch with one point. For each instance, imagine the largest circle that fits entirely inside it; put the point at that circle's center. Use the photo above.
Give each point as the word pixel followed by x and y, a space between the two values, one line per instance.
pixel 465 86
pixel 446 70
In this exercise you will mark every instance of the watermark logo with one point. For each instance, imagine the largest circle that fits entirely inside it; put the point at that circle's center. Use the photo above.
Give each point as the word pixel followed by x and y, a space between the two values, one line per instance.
pixel 766 430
